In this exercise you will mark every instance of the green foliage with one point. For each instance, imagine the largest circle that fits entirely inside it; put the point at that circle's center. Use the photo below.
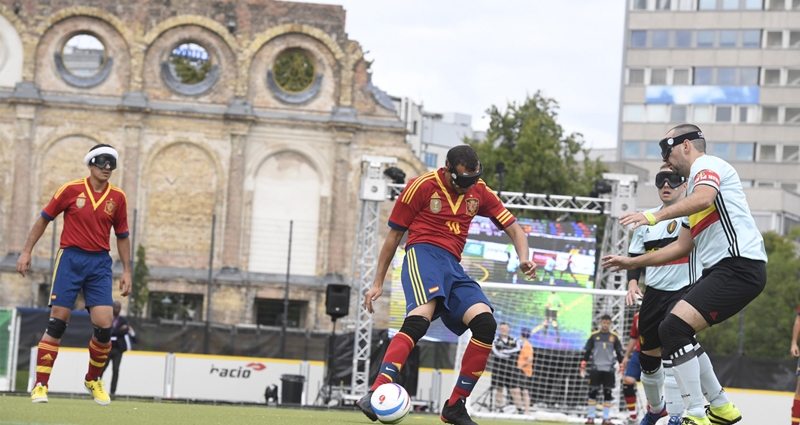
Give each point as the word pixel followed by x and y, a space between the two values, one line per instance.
pixel 139 290
pixel 768 320
pixel 538 156
pixel 189 71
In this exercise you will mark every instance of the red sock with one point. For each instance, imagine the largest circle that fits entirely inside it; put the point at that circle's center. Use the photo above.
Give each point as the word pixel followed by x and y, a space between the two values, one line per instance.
pixel 394 359
pixel 98 355
pixel 45 357
pixel 472 366
pixel 795 412
pixel 631 402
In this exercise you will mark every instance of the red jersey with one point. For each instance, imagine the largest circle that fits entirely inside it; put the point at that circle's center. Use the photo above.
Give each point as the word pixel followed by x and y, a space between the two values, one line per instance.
pixel 88 216
pixel 634 334
pixel 434 214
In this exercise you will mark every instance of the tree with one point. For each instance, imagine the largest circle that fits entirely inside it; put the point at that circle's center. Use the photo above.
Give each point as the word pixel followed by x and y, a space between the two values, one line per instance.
pixel 768 320
pixel 537 154
pixel 139 290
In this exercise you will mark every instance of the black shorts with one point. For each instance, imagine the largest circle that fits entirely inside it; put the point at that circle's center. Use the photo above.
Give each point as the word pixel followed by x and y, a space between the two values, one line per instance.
pixel 602 378
pixel 551 314
pixel 656 304
pixel 726 288
pixel 504 375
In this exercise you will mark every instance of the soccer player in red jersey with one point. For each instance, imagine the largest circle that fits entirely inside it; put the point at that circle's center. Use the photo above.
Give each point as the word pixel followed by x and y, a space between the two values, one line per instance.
pixel 91 206
pixel 796 352
pixel 436 209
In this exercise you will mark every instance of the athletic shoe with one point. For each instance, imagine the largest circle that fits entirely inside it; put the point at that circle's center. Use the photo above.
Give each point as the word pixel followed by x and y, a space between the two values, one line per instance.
pixel 651 418
pixel 97 391
pixel 364 404
pixel 607 422
pixel 589 421
pixel 39 394
pixel 674 420
pixel 694 420
pixel 456 413
pixel 724 415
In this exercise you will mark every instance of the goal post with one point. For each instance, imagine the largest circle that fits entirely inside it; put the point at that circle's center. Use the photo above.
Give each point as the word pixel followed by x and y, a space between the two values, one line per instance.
pixel 9 340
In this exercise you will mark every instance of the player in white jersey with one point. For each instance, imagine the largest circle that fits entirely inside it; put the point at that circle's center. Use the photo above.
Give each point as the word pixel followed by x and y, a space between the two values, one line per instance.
pixel 728 246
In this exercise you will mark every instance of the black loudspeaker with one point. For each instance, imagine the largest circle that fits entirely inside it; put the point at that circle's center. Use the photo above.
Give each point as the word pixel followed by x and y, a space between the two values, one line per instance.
pixel 337 300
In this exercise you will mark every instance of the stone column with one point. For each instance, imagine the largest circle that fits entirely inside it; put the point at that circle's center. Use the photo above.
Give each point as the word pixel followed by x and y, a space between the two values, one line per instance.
pixel 339 228
pixel 26 96
pixel 130 161
pixel 232 238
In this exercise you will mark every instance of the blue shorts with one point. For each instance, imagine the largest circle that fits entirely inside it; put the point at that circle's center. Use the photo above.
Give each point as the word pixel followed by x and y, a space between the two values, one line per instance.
pixel 431 272
pixel 77 270
pixel 634 368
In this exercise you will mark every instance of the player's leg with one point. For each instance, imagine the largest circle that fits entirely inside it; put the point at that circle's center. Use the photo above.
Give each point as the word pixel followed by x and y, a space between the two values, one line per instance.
pixel 633 373
pixel 116 357
pixel 555 326
pixel 609 382
pixel 97 291
pixel 672 393
pixel 594 389
pixel 796 403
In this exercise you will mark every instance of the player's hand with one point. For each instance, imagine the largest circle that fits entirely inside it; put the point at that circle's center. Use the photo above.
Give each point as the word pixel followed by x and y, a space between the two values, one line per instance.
pixel 795 350
pixel 583 369
pixel 24 263
pixel 634 219
pixel 623 366
pixel 617 263
pixel 371 296
pixel 634 293
pixel 125 285
pixel 529 268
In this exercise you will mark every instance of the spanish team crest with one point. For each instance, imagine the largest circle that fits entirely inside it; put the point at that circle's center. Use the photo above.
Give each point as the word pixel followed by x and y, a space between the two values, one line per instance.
pixel 110 207
pixel 81 201
pixel 671 226
pixel 611 339
pixel 472 206
pixel 436 203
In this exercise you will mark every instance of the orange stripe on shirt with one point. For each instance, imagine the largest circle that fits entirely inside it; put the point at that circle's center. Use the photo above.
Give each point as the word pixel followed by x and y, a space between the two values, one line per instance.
pixel 706 221
pixel 684 260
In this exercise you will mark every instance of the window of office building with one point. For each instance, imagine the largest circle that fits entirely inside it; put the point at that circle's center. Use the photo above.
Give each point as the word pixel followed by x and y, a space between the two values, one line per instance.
pixel 746 184
pixel 791 187
pixel 769 114
pixel 636 76
pixel 430 159
pixel 728 38
pixel 721 149
pixel 751 38
pixel 660 38
pixel 680 77
pixel 724 113
pixel 754 4
pixel 702 113
pixel 774 38
pixel 703 76
pixel 744 114
pixel 792 115
pixel 767 152
pixel 705 38
pixel 638 38
pixel 663 4
pixel 678 113
pixel 726 76
pixel 631 149
pixel 730 4
pixel 793 77
pixel 777 4
pixel 639 4
pixel 744 152
pixel 656 113
pixel 765 184
pixel 791 153
pixel 634 113
pixel 794 39
pixel 683 38
pixel 706 4
pixel 772 77
pixel 652 150
pixel 658 76
pixel 795 4
pixel 748 76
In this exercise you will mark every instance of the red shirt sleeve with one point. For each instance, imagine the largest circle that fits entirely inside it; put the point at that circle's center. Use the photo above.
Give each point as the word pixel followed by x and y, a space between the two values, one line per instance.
pixel 121 218
pixel 408 204
pixel 492 208
pixel 635 327
pixel 58 203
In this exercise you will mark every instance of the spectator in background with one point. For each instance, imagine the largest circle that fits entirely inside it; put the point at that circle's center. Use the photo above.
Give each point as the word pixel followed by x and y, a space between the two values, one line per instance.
pixel 525 366
pixel 505 349
pixel 121 335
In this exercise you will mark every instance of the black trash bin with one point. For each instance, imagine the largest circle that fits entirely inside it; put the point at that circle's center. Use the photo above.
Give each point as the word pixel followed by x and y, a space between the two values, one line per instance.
pixel 292 389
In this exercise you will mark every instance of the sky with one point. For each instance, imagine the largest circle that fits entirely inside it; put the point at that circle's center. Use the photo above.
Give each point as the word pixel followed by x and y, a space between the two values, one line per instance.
pixel 466 55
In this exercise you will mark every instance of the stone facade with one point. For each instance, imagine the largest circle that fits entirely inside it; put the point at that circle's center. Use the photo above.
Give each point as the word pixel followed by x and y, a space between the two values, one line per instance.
pixel 238 151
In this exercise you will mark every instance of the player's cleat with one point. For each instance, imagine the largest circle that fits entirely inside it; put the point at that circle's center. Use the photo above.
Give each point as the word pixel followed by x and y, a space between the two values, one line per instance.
pixel 456 414
pixel 589 421
pixel 39 394
pixel 364 404
pixel 607 422
pixel 724 415
pixel 651 418
pixel 674 420
pixel 97 391
pixel 694 420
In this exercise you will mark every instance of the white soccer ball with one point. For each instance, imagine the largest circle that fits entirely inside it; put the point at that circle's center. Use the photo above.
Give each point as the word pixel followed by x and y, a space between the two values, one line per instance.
pixel 391 403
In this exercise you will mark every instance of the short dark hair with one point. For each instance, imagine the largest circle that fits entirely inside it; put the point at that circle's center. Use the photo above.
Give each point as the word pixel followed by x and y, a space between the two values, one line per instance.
pixel 503 323
pixel 101 145
pixel 463 155
pixel 605 317
pixel 681 129
pixel 525 333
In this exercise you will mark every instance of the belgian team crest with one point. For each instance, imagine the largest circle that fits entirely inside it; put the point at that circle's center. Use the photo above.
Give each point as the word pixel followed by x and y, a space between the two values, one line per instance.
pixel 81 201
pixel 436 203
pixel 472 206
pixel 110 207
pixel 671 226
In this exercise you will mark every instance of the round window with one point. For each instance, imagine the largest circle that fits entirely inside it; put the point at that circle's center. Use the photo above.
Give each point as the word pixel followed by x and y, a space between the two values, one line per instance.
pixel 190 63
pixel 84 55
pixel 294 71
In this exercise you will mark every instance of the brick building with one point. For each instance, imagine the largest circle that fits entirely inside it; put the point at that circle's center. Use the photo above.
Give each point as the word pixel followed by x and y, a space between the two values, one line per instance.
pixel 254 112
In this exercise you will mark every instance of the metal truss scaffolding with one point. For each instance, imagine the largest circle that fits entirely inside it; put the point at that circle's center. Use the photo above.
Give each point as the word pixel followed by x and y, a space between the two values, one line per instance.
pixel 374 190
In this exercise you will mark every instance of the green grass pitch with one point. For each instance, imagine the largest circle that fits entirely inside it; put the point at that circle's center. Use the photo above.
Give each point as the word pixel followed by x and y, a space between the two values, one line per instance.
pixel 17 409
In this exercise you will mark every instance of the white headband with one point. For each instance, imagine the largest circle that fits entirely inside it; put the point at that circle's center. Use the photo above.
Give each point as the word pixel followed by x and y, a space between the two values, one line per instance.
pixel 105 150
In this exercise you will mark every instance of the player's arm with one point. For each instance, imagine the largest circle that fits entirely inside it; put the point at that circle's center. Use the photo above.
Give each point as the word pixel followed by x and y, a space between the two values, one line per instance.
pixel 618 349
pixel 124 250
pixel 795 333
pixel 678 249
pixel 702 197
pixel 384 259
pixel 587 354
pixel 520 241
pixel 24 260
